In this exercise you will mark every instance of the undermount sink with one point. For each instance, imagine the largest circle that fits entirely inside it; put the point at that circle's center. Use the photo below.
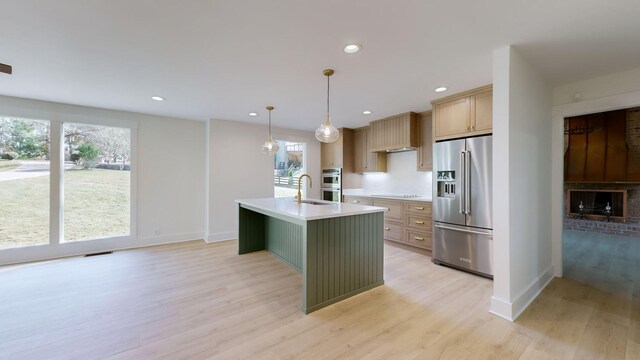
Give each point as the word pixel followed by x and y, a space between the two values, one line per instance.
pixel 313 202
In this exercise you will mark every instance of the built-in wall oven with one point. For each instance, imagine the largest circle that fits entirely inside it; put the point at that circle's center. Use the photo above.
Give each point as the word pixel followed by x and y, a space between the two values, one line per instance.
pixel 331 184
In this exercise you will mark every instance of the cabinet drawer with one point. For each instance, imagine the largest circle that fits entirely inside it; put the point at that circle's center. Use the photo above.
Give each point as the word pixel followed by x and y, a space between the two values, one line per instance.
pixel 393 231
pixel 418 208
pixel 421 239
pixel 357 200
pixel 419 222
pixel 394 209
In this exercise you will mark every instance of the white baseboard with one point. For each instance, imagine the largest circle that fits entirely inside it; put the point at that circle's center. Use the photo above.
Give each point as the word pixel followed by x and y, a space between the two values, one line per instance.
pixel 171 238
pixel 511 310
pixel 501 308
pixel 222 236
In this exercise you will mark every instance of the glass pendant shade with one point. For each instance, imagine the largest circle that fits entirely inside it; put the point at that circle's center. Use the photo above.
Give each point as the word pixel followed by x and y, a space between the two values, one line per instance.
pixel 270 147
pixel 327 133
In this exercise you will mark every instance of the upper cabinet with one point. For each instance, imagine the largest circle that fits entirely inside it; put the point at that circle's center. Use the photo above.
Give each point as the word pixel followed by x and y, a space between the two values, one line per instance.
pixel 332 155
pixel 366 160
pixel 395 133
pixel 339 154
pixel 425 150
pixel 465 114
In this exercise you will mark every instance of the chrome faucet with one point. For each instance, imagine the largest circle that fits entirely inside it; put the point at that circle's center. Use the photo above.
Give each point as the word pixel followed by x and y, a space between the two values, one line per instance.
pixel 299 196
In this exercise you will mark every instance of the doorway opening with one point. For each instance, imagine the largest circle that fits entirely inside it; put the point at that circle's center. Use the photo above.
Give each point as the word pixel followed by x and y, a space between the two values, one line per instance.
pixel 601 221
pixel 289 164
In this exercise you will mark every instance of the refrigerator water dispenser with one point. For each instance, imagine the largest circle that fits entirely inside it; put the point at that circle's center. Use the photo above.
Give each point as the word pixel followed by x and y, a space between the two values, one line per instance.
pixel 446 187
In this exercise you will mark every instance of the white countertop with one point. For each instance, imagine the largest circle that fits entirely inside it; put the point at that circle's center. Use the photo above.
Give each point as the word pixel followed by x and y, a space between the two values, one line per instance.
pixel 289 207
pixel 362 193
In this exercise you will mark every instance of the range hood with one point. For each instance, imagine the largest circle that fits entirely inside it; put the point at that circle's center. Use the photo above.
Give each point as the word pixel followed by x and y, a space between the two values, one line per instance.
pixel 597 148
pixel 400 149
pixel 395 133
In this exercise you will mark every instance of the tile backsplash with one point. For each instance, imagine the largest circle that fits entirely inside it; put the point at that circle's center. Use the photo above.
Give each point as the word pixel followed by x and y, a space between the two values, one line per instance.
pixel 401 177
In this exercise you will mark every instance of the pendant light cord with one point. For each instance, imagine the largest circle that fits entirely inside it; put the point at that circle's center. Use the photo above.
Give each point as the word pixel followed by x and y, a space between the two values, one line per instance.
pixel 269 125
pixel 328 95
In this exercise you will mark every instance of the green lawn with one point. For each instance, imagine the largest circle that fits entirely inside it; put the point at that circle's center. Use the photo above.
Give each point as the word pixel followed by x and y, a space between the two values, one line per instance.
pixel 96 205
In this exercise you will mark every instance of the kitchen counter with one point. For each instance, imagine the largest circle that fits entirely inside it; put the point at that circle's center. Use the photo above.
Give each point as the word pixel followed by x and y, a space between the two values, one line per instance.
pixel 338 248
pixel 361 193
pixel 290 209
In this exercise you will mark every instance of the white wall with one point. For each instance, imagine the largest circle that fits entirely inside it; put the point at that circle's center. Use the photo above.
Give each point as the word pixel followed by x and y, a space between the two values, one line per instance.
pixel 401 177
pixel 238 170
pixel 171 181
pixel 170 175
pixel 599 87
pixel 522 178
pixel 604 93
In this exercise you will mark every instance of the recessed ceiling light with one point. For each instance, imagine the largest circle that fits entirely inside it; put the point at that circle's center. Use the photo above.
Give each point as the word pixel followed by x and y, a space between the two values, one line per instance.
pixel 157 98
pixel 366 112
pixel 352 48
pixel 441 89
pixel 253 114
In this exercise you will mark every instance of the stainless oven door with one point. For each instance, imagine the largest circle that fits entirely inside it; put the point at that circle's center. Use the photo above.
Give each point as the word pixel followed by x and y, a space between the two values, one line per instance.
pixel 330 180
pixel 332 194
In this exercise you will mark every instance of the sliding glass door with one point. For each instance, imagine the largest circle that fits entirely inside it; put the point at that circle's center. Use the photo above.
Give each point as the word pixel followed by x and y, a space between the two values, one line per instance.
pixel 65 188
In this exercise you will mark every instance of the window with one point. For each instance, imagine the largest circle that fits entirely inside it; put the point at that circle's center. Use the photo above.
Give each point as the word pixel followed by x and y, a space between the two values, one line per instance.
pixel 288 166
pixel 24 182
pixel 96 182
pixel 61 183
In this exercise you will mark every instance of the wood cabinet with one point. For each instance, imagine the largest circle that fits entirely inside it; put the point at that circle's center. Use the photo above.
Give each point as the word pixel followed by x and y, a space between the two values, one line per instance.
pixel 365 160
pixel 417 222
pixel 425 139
pixel 465 114
pixel 358 200
pixel 393 225
pixel 338 154
pixel 396 132
pixel 406 222
pixel 395 208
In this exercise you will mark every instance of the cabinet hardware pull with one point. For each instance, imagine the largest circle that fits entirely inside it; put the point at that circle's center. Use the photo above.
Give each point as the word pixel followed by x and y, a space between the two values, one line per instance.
pixel 419 222
pixel 388 209
pixel 418 238
pixel 468 128
pixel 387 229
pixel 419 207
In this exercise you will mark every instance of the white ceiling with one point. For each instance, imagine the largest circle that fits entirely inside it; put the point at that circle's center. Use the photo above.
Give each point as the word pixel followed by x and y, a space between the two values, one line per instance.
pixel 222 59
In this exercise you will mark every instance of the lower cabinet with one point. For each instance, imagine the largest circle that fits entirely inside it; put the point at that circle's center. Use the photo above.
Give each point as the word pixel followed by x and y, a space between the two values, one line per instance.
pixel 358 200
pixel 418 225
pixel 393 231
pixel 406 222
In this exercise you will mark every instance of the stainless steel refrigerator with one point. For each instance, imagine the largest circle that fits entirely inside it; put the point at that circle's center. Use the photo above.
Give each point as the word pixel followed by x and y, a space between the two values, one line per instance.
pixel 462 204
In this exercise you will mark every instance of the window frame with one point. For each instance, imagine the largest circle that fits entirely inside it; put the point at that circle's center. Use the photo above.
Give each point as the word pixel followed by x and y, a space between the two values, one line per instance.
pixel 56 247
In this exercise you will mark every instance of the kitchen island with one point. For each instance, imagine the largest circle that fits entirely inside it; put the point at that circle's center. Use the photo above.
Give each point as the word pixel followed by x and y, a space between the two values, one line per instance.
pixel 338 248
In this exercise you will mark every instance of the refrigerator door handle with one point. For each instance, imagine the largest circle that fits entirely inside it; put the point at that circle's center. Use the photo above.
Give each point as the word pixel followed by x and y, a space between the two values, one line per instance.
pixel 467 183
pixel 462 183
pixel 480 232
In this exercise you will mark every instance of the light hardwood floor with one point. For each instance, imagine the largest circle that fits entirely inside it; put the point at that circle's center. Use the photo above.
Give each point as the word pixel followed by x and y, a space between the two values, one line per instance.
pixel 198 301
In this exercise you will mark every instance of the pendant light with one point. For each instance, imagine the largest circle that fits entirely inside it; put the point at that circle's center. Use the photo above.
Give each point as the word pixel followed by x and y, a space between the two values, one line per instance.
pixel 270 147
pixel 327 133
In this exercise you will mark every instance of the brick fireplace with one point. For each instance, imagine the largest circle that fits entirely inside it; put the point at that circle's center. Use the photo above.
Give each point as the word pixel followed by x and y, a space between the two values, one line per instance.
pixel 594 198
pixel 602 158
